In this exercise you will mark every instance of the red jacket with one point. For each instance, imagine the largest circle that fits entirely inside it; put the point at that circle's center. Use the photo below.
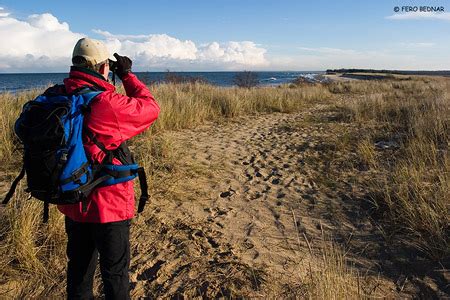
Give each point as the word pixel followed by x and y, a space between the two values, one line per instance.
pixel 113 119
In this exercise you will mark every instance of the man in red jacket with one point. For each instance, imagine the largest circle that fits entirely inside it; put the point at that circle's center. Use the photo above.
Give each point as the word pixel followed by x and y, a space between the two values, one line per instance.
pixel 101 230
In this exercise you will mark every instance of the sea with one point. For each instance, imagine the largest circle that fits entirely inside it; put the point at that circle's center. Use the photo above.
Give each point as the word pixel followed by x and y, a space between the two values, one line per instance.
pixel 23 81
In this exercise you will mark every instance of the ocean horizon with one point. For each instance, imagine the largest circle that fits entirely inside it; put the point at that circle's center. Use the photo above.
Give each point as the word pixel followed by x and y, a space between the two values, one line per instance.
pixel 14 82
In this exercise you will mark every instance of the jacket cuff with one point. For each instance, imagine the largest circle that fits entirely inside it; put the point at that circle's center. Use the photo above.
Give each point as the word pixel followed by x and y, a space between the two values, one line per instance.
pixel 127 75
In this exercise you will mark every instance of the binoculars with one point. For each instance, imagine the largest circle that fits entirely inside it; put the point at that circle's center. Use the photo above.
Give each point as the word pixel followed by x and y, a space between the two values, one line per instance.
pixel 112 65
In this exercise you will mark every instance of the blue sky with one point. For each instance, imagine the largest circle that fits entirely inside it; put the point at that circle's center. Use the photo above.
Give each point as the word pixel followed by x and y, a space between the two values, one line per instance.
pixel 226 35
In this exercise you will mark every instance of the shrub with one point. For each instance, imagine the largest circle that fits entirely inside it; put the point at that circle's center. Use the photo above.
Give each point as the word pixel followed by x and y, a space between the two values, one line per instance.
pixel 246 79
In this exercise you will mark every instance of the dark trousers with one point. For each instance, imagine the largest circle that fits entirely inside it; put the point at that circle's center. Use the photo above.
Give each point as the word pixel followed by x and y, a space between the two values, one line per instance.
pixel 86 243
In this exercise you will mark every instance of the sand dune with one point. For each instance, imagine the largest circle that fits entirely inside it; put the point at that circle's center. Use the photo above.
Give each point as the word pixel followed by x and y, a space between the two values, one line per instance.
pixel 332 200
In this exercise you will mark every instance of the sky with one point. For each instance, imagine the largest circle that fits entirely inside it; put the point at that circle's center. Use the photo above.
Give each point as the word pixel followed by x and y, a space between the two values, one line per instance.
pixel 213 35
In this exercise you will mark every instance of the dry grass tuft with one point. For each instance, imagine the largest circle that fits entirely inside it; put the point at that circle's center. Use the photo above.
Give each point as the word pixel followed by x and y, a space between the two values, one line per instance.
pixel 335 278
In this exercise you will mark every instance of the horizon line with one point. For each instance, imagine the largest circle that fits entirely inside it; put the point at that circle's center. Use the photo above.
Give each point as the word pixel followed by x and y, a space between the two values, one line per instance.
pixel 224 71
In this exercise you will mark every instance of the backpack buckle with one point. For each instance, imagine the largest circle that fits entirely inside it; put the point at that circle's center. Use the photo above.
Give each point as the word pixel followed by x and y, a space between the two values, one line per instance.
pixel 63 156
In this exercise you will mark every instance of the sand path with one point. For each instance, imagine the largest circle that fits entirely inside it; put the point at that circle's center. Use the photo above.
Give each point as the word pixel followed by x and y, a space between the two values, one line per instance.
pixel 253 207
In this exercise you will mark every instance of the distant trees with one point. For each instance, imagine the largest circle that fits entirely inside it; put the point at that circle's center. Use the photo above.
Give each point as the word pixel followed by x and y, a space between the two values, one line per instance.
pixel 400 72
pixel 246 79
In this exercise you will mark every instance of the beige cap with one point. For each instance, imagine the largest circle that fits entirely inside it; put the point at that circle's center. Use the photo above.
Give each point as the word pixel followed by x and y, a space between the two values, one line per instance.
pixel 92 50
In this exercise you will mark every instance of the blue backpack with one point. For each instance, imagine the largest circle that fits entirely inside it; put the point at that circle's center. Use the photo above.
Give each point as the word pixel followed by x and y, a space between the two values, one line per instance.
pixel 50 129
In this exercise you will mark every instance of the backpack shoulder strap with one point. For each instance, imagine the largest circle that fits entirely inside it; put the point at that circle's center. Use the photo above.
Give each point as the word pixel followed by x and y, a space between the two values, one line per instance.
pixel 84 89
pixel 94 139
pixel 91 92
pixel 144 189
pixel 56 90
pixel 13 186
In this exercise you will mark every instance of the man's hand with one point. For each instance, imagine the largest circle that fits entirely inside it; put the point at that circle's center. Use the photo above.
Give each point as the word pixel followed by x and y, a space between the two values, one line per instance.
pixel 123 65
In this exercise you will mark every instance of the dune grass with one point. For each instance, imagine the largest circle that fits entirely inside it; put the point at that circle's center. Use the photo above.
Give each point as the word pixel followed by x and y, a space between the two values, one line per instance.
pixel 189 105
pixel 414 193
pixel 335 278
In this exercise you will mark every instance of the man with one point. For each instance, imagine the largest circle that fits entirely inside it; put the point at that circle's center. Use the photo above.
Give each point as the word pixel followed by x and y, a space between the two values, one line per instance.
pixel 101 230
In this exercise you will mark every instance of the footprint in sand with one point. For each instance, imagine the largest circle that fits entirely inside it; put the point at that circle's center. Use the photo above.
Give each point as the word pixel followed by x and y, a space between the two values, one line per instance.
pixel 256 195
pixel 276 181
pixel 151 273
pixel 247 244
pixel 267 189
pixel 216 212
pixel 280 195
pixel 228 193
pixel 249 228
pixel 249 177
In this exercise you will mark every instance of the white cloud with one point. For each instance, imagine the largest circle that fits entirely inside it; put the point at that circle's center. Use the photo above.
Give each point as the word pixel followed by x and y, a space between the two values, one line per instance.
pixel 107 34
pixel 156 50
pixel 322 58
pixel 445 16
pixel 327 50
pixel 417 45
pixel 43 43
pixel 3 13
pixel 39 43
pixel 150 46
pixel 47 22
